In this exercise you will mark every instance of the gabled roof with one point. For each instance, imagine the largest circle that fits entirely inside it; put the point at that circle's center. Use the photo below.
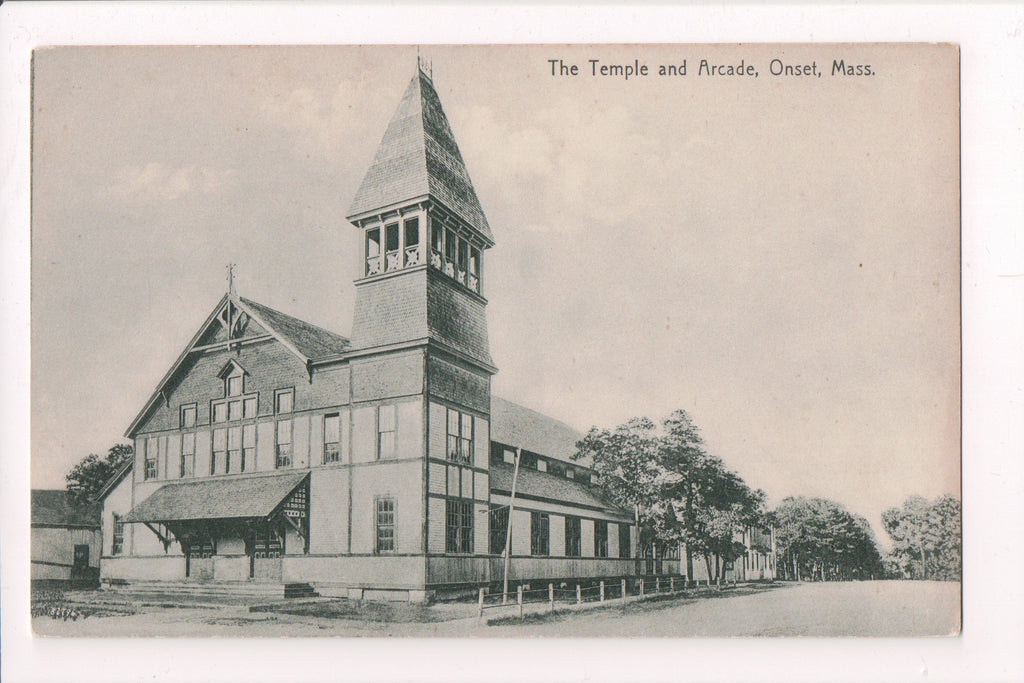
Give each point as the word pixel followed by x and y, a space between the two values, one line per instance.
pixel 518 426
pixel 115 479
pixel 312 342
pixel 307 341
pixel 418 158
pixel 54 507
pixel 232 498
pixel 552 487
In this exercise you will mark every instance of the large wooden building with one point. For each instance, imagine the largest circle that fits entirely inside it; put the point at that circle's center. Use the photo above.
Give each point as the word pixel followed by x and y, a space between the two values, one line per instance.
pixel 377 465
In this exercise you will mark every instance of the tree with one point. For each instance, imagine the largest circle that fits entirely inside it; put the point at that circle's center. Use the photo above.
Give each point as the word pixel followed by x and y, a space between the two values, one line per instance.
pixel 925 538
pixel 87 478
pixel 820 539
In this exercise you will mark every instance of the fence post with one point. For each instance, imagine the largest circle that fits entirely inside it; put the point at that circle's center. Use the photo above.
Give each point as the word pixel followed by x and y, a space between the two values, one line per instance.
pixel 657 585
pixel 602 591
pixel 579 595
pixel 519 599
pixel 671 584
pixel 481 603
pixel 623 589
pixel 551 596
pixel 641 587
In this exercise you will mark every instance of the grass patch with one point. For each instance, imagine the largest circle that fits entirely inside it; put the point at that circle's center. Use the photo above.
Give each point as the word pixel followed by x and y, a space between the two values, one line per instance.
pixel 384 612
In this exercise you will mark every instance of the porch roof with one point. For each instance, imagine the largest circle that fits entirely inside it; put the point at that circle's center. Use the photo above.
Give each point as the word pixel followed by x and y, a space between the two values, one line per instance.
pixel 222 498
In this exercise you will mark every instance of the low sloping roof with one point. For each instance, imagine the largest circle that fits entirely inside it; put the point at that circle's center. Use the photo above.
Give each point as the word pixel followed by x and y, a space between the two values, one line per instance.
pixel 54 507
pixel 227 498
pixel 116 478
pixel 518 426
pixel 553 487
pixel 313 342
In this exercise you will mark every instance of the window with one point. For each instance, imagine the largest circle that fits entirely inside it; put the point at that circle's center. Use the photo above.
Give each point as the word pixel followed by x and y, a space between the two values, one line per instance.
pixel 117 537
pixel 624 550
pixel 332 438
pixel 220 412
pixel 570 473
pixel 188 416
pixel 436 244
pixel 542 465
pixel 234 386
pixel 188 455
pixel 151 455
pixel 412 242
pixel 460 437
pixel 234 410
pixel 284 400
pixel 572 536
pixel 386 442
pixel 473 282
pixel 600 538
pixel 498 529
pixel 509 456
pixel 249 407
pixel 234 462
pixel 373 264
pixel 450 246
pixel 540 533
pixel 284 443
pixel 219 461
pixel 459 526
pixel 385 526
pixel 391 248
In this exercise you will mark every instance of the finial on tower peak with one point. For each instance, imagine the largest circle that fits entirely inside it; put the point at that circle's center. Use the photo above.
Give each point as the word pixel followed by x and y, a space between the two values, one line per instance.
pixel 232 294
pixel 424 64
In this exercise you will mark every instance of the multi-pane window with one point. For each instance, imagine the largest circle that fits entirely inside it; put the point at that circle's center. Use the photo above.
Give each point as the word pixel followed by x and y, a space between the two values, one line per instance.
pixel 454 256
pixel 386 425
pixel 248 447
pixel 234 462
pixel 219 461
pixel 284 400
pixel 117 537
pixel 283 443
pixel 459 526
pixel 624 549
pixel 460 437
pixel 373 264
pixel 332 438
pixel 540 533
pixel 498 529
pixel 572 536
pixel 385 526
pixel 235 407
pixel 600 538
pixel 151 458
pixel 188 454
pixel 187 417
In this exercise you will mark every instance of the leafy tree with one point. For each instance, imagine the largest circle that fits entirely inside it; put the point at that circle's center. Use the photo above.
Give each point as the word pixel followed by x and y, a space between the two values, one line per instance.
pixel 87 478
pixel 925 538
pixel 818 538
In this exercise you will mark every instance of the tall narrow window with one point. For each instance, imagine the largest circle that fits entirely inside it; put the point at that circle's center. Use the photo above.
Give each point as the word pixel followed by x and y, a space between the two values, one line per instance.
pixel 332 438
pixel 460 437
pixel 234 387
pixel 450 247
pixel 248 448
pixel 284 443
pixel 498 529
pixel 385 526
pixel 572 536
pixel 151 458
pixel 540 533
pixel 284 401
pixel 412 242
pixel 394 257
pixel 218 463
pixel 386 432
pixel 117 536
pixel 459 526
pixel 624 549
pixel 188 454
pixel 436 244
pixel 600 538
pixel 188 416
pixel 220 412
pixel 473 281
pixel 373 264
pixel 463 261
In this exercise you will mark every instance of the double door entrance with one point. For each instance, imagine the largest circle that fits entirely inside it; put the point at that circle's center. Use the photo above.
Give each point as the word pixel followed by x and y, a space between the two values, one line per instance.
pixel 261 561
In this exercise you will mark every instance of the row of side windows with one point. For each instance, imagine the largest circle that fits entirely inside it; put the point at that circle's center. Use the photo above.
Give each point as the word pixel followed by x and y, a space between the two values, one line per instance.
pixel 236 408
pixel 234 446
pixel 540 534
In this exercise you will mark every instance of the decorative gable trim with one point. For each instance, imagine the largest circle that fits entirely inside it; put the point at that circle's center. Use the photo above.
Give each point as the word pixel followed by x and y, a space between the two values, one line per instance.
pixel 230 368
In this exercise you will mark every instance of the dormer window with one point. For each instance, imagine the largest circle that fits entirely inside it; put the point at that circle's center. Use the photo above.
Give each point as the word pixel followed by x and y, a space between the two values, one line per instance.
pixel 234 386
pixel 236 404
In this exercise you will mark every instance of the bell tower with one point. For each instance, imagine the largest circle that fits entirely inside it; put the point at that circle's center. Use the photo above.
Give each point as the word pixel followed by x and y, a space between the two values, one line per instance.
pixel 423 237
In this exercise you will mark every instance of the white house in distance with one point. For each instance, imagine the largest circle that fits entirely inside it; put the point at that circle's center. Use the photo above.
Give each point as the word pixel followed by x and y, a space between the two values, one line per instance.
pixel 275 452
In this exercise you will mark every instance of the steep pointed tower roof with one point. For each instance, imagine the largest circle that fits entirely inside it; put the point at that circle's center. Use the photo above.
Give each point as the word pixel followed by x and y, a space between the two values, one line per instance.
pixel 419 158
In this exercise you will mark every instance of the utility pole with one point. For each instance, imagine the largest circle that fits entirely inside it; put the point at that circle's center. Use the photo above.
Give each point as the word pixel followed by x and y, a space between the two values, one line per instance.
pixel 508 527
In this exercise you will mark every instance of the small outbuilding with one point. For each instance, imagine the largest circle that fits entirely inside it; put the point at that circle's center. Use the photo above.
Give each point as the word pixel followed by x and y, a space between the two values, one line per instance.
pixel 65 540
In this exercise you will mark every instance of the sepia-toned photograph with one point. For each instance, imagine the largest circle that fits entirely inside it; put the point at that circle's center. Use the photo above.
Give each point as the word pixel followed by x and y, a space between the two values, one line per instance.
pixel 590 340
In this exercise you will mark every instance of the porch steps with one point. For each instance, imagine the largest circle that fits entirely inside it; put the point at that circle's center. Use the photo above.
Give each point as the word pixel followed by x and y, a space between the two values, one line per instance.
pixel 217 589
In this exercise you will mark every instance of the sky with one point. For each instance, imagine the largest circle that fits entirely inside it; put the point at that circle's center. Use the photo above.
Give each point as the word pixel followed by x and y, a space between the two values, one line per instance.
pixel 779 256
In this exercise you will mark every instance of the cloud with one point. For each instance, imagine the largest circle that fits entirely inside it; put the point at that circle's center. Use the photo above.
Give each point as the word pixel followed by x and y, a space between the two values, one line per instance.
pixel 156 181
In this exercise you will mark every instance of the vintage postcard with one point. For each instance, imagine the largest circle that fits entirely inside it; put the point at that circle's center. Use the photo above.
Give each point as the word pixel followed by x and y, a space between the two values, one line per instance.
pixel 590 340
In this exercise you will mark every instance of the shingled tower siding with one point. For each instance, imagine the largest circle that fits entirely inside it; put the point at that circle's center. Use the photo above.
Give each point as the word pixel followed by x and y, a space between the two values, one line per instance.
pixel 420 320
